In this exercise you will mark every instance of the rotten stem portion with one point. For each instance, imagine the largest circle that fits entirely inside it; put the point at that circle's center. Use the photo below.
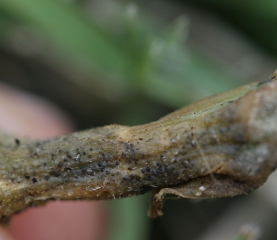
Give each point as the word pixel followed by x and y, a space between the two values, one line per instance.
pixel 221 146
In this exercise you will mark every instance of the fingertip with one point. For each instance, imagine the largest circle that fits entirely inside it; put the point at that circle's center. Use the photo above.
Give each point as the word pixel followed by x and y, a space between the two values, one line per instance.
pixel 61 220
pixel 29 116
pixel 4 235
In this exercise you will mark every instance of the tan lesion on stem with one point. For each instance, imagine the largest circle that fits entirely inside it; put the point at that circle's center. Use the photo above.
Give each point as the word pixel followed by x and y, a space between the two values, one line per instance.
pixel 254 117
pixel 224 145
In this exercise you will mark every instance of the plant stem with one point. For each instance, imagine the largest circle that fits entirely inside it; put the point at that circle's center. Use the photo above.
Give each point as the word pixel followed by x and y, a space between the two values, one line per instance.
pixel 224 145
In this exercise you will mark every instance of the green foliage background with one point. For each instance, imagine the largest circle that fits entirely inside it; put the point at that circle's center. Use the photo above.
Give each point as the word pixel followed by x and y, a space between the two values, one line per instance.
pixel 132 62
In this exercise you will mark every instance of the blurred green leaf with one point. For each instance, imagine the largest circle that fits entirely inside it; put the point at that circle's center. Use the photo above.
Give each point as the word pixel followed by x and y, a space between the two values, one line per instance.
pixel 71 30
pixel 129 219
pixel 155 62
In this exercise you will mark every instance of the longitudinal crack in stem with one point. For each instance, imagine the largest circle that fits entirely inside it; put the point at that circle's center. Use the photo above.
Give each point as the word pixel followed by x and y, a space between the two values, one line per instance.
pixel 208 167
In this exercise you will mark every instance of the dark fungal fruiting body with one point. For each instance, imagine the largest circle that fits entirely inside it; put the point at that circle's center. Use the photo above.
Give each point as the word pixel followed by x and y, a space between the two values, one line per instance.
pixel 222 139
pixel 17 141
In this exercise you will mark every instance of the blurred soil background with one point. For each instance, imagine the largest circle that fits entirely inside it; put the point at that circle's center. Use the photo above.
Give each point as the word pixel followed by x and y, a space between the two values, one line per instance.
pixel 131 62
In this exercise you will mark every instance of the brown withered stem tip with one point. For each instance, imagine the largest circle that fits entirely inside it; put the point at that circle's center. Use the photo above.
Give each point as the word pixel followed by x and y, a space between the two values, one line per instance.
pixel 222 146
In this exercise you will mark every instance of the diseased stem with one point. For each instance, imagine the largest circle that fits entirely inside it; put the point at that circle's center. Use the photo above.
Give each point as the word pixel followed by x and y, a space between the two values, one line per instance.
pixel 221 146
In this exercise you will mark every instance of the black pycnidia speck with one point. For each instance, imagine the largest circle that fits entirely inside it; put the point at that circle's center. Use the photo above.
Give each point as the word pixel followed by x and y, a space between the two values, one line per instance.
pixel 17 141
pixel 125 178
